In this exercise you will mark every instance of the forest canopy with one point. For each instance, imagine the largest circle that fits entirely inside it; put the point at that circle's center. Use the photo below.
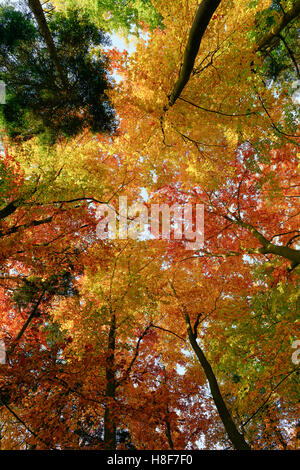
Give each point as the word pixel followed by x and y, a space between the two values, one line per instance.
pixel 149 225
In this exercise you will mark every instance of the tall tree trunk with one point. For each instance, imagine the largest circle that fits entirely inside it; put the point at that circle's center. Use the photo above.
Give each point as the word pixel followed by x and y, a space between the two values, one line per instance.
pixel 110 391
pixel 169 431
pixel 235 437
pixel 37 10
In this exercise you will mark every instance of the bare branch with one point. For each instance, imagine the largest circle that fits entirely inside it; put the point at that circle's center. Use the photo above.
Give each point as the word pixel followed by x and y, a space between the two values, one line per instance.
pixel 216 112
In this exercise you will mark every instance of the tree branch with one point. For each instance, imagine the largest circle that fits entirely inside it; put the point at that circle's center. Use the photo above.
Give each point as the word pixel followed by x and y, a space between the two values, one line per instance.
pixel 24 424
pixel 33 223
pixel 9 209
pixel 290 54
pixel 38 12
pixel 25 326
pixel 268 397
pixel 199 26
pixel 287 18
pixel 215 111
pixel 168 331
pixel 136 353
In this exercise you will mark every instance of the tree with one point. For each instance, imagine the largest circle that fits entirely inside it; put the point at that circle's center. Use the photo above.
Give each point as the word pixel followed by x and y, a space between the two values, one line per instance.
pixel 143 344
pixel 126 17
pixel 54 91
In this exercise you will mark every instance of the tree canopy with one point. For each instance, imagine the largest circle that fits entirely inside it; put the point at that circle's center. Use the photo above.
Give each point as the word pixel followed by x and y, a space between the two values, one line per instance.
pixel 141 341
pixel 40 98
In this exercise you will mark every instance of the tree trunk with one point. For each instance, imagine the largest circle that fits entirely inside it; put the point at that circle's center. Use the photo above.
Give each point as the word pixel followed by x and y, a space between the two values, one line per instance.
pixel 284 251
pixel 9 209
pixel 235 437
pixel 110 392
pixel 169 431
pixel 37 10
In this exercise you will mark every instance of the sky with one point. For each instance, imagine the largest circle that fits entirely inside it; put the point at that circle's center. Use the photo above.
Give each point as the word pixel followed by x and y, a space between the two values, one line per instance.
pixel 121 44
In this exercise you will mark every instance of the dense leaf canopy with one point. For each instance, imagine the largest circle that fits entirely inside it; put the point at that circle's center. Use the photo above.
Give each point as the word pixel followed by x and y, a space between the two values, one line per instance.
pixel 143 342
pixel 37 101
